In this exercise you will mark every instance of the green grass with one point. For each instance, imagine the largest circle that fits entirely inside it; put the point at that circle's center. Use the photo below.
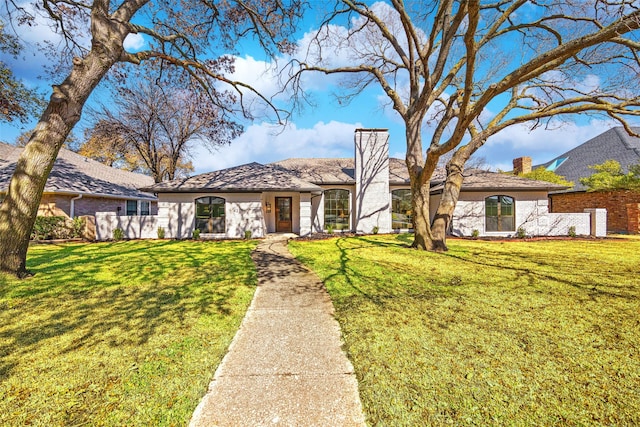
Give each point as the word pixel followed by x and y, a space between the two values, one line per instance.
pixel 126 333
pixel 489 333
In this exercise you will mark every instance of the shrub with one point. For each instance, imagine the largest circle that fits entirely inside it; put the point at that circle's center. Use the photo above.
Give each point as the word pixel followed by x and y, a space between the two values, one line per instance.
pixel 330 228
pixel 50 227
pixel 196 234
pixel 572 231
pixel 475 233
pixel 521 233
pixel 118 234
pixel 78 226
pixel 247 234
pixel 160 232
pixel 376 229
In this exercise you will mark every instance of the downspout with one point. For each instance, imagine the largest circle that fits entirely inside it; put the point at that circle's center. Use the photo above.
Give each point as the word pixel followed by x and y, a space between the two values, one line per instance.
pixel 73 205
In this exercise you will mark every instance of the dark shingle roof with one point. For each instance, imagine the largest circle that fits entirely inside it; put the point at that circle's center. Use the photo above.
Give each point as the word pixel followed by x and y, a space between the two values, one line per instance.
pixel 73 173
pixel 614 144
pixel 302 174
pixel 337 171
pixel 252 177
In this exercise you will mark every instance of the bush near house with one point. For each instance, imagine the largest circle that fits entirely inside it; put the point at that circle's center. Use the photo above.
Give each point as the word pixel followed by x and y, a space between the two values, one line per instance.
pixel 488 333
pixel 121 333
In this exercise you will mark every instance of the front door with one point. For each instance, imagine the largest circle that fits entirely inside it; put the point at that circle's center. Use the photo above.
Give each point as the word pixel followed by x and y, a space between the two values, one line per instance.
pixel 283 214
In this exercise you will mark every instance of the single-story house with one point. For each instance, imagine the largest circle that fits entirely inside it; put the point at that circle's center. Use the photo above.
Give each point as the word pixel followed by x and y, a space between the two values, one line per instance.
pixel 623 206
pixel 368 193
pixel 79 186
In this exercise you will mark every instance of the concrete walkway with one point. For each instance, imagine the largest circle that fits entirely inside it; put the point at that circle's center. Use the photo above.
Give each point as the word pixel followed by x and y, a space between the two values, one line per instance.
pixel 285 365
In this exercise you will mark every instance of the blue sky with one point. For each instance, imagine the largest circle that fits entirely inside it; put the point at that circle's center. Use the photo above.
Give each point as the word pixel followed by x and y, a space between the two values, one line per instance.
pixel 325 130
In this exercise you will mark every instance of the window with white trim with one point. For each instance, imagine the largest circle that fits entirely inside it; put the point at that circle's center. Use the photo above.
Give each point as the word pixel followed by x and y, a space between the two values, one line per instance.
pixel 336 209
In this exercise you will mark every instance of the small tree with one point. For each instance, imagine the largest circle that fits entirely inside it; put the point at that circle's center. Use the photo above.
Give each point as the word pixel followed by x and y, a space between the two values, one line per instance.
pixel 542 174
pixel 151 122
pixel 610 176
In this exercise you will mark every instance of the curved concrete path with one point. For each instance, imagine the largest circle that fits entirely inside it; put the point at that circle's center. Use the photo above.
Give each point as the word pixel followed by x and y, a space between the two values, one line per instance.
pixel 285 365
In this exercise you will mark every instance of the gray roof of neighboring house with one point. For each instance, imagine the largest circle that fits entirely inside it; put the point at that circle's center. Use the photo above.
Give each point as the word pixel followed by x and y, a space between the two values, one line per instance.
pixel 614 144
pixel 252 177
pixel 76 174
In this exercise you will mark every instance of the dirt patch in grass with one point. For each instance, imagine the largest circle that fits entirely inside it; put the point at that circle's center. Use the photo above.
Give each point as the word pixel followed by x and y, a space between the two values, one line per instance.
pixel 488 333
pixel 126 333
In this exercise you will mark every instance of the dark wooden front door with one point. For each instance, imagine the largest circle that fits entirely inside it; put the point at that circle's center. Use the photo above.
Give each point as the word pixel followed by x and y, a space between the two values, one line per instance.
pixel 283 214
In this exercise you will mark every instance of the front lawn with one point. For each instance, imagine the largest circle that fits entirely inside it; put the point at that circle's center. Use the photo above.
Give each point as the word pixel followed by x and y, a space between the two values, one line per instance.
pixel 489 333
pixel 126 333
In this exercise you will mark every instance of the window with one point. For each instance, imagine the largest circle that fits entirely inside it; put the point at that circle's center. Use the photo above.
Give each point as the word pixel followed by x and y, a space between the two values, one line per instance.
pixel 500 213
pixel 132 207
pixel 138 207
pixel 210 214
pixel 145 207
pixel 401 213
pixel 336 209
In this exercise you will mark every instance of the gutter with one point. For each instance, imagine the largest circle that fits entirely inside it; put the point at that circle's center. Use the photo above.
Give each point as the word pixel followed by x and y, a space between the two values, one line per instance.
pixel 73 205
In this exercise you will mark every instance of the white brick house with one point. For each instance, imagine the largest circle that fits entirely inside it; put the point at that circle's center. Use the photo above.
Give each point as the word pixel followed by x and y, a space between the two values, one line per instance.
pixel 368 193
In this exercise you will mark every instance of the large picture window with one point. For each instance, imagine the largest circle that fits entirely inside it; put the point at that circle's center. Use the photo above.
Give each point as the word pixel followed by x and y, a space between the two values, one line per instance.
pixel 210 214
pixel 401 213
pixel 336 209
pixel 500 213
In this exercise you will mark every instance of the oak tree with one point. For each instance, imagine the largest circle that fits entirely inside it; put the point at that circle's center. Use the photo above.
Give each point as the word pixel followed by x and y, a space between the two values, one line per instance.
pixel 192 35
pixel 466 70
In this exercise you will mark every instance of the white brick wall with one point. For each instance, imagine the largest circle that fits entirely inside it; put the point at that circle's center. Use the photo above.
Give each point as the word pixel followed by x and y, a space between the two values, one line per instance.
pixel 372 205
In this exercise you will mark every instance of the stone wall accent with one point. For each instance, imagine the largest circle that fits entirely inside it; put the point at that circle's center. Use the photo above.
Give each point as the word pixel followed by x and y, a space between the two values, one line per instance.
pixel 615 202
pixel 372 181
pixel 633 216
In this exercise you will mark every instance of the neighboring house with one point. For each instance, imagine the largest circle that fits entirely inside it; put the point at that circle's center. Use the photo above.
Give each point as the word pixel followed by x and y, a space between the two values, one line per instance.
pixel 366 194
pixel 623 207
pixel 78 186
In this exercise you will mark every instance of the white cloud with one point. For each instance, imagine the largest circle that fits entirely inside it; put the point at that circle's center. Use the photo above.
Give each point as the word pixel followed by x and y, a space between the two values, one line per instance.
pixel 133 42
pixel 264 143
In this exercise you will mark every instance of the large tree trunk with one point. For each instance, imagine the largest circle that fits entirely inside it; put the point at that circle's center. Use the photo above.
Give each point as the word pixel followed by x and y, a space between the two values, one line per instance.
pixel 447 205
pixel 420 173
pixel 20 207
pixel 451 192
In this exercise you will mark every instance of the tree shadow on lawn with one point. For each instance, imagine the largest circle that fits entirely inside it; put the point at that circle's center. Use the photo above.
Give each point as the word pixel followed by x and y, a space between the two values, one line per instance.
pixel 381 291
pixel 588 284
pixel 125 308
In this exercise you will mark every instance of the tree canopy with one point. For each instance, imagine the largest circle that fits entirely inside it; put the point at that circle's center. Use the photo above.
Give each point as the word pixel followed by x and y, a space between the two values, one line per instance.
pixel 610 175
pixel 17 102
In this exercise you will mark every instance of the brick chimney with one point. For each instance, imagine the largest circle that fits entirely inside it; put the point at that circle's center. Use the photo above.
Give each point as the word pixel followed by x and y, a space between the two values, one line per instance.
pixel 522 165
